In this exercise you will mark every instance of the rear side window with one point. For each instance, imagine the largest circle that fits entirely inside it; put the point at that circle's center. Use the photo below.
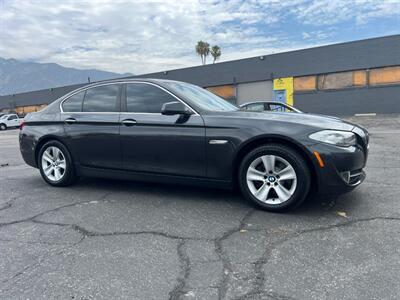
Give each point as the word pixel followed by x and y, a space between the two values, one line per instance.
pixel 276 107
pixel 101 99
pixel 255 106
pixel 74 103
pixel 146 98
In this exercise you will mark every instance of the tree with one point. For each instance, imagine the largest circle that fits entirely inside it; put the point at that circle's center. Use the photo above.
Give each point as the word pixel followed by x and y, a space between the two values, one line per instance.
pixel 203 49
pixel 215 52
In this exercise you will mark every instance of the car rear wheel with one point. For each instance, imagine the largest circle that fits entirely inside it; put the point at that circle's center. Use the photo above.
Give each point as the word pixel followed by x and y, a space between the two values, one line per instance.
pixel 274 177
pixel 3 127
pixel 55 164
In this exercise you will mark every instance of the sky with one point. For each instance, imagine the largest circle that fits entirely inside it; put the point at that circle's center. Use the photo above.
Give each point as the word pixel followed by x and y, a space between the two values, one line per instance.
pixel 148 36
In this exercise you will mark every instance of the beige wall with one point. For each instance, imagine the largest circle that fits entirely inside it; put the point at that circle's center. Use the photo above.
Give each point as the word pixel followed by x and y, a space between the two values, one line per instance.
pixel 254 91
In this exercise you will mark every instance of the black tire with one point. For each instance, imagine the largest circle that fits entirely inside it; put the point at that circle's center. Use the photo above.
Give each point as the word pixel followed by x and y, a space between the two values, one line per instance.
pixel 294 159
pixel 3 127
pixel 69 176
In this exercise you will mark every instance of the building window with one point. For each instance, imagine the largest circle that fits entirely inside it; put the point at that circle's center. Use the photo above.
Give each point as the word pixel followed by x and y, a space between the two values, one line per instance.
pixel 23 110
pixel 359 78
pixel 225 91
pixel 388 75
pixel 342 80
pixel 305 83
pixel 335 81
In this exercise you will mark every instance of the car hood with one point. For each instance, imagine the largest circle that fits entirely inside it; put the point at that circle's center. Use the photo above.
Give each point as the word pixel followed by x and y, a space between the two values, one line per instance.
pixel 313 120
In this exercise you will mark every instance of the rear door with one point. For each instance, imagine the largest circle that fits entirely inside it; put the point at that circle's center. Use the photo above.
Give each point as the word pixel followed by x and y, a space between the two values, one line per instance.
pixel 91 125
pixel 156 143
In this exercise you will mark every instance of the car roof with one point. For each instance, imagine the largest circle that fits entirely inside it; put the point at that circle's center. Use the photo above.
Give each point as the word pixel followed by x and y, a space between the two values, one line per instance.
pixel 154 80
pixel 119 80
pixel 160 82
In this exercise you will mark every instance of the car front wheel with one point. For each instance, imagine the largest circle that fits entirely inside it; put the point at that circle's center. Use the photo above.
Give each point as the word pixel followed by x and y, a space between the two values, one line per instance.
pixel 274 177
pixel 3 127
pixel 55 164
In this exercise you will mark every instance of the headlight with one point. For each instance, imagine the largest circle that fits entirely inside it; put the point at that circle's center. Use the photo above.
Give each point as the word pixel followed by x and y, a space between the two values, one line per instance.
pixel 338 138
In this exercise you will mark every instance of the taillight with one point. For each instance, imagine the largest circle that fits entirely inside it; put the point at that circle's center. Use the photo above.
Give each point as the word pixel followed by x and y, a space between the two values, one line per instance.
pixel 21 126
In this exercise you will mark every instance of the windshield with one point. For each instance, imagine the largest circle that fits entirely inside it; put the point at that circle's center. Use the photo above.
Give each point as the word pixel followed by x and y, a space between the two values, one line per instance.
pixel 201 97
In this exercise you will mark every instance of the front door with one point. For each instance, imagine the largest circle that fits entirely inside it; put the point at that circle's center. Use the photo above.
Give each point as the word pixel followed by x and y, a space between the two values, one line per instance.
pixel 91 124
pixel 156 143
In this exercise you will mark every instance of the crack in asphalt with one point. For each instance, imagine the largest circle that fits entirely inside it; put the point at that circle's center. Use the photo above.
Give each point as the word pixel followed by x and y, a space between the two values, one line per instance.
pixel 30 267
pixel 31 218
pixel 259 273
pixel 36 242
pixel 179 288
pixel 227 268
pixel 6 206
pixel 9 203
pixel 88 233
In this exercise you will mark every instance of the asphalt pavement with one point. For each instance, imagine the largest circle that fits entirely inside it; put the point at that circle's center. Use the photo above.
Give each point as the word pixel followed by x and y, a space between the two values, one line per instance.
pixel 108 239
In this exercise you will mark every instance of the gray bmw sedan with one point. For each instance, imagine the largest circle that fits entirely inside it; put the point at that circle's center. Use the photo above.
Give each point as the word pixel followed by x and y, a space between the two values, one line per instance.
pixel 170 131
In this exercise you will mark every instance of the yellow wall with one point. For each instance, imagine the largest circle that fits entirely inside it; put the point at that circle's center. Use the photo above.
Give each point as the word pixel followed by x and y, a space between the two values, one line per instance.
pixel 285 83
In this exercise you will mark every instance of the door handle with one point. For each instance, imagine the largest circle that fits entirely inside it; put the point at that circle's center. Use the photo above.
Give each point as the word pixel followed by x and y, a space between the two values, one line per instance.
pixel 129 122
pixel 70 121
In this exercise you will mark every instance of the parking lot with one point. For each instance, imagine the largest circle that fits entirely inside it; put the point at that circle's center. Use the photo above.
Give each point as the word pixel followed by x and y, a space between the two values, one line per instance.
pixel 105 239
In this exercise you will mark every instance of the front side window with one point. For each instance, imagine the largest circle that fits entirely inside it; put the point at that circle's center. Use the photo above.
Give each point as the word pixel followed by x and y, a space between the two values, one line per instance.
pixel 74 103
pixel 146 98
pixel 13 117
pixel 201 97
pixel 101 99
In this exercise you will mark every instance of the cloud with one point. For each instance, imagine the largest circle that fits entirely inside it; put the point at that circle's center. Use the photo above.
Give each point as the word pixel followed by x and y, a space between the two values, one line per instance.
pixel 147 36
pixel 328 12
pixel 317 35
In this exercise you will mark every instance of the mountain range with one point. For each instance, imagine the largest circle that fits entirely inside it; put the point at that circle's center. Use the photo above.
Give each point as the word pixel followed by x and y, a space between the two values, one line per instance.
pixel 19 76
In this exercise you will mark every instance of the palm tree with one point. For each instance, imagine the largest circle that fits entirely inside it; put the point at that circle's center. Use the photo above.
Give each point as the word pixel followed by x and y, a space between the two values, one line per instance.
pixel 203 49
pixel 206 51
pixel 215 52
pixel 200 50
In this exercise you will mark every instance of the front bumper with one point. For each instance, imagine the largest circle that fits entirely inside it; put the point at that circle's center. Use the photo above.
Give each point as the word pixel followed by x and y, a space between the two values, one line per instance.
pixel 343 167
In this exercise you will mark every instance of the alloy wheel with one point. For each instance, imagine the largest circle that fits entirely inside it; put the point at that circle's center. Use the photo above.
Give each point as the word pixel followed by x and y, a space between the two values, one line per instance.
pixel 271 179
pixel 54 164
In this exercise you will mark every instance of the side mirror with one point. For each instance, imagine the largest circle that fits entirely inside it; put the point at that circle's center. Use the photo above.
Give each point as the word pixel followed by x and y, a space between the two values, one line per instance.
pixel 175 108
